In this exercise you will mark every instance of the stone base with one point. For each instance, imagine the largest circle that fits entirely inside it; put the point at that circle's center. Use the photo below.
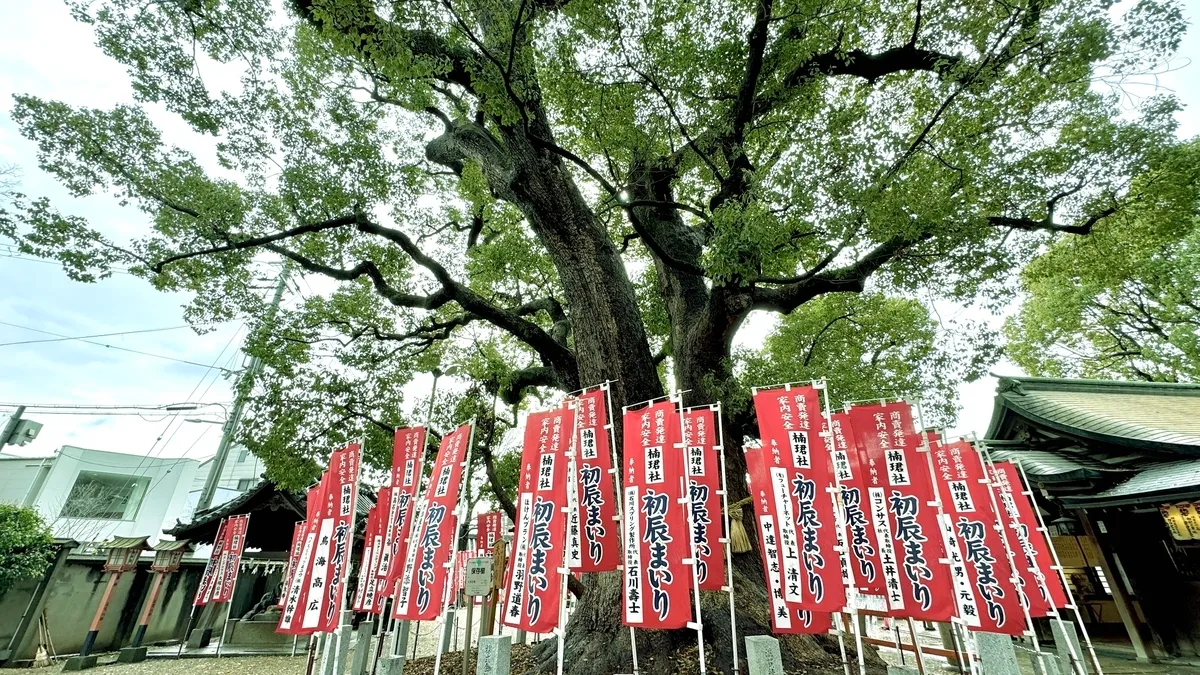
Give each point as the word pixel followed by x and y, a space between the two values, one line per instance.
pixel 390 665
pixel 495 653
pixel 132 655
pixel 1064 632
pixel 1045 664
pixel 763 656
pixel 199 638
pixel 255 634
pixel 902 670
pixel 79 663
pixel 996 654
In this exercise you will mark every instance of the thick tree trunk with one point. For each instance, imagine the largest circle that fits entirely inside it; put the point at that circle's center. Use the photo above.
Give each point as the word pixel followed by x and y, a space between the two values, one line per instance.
pixel 702 325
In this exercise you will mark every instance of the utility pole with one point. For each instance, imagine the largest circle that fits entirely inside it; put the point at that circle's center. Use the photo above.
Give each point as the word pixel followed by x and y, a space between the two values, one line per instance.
pixel 235 417
pixel 11 426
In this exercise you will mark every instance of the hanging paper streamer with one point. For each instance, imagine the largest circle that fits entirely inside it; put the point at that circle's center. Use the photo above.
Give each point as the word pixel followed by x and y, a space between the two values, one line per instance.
pixel 1042 584
pixel 789 419
pixel 898 486
pixel 424 577
pixel 595 493
pixel 533 576
pixel 785 617
pixel 704 498
pixel 657 588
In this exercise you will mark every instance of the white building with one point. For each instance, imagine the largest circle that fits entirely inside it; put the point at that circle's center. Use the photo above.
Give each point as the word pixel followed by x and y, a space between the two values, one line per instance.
pixel 93 495
pixel 241 472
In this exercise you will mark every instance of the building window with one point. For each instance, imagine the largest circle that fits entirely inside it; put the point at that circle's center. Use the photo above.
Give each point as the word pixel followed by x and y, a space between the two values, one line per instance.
pixel 243 455
pixel 245 484
pixel 105 496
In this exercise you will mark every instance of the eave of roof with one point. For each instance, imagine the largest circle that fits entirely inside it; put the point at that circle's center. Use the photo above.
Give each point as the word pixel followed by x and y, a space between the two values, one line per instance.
pixel 1161 483
pixel 1016 399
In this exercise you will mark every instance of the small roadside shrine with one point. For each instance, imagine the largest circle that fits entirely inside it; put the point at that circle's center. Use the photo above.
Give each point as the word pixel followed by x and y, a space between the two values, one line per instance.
pixel 253 611
pixel 1115 466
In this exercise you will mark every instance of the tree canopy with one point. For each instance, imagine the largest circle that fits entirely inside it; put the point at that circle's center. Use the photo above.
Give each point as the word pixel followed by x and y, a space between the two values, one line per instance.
pixel 554 193
pixel 26 547
pixel 1121 303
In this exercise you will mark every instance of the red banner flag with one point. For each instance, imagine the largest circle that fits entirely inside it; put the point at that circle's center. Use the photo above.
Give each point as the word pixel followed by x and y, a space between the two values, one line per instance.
pixel 423 580
pixel 208 581
pixel 331 558
pixel 657 589
pixel 231 557
pixel 967 504
pixel 789 419
pixel 366 595
pixel 533 580
pixel 408 456
pixel 364 565
pixel 293 562
pixel 595 488
pixel 459 580
pixel 860 531
pixel 1043 585
pixel 700 444
pixel 918 584
pixel 297 589
pixel 785 617
pixel 488 528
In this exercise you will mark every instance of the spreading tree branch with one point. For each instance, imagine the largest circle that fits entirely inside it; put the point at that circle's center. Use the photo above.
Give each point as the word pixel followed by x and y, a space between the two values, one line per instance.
pixel 849 279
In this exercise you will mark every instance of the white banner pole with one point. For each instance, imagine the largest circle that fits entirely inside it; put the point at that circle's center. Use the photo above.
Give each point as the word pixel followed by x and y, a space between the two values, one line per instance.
pixel 418 512
pixel 985 463
pixel 460 518
pixel 1062 575
pixel 725 541
pixel 926 449
pixel 571 510
pixel 839 522
pixel 685 500
pixel 616 469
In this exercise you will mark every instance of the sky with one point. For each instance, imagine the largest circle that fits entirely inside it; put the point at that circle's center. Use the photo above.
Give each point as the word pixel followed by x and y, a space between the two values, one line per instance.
pixel 43 51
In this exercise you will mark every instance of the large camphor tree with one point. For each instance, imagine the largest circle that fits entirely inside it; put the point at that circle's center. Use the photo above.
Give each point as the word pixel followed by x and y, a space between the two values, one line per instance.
pixel 555 193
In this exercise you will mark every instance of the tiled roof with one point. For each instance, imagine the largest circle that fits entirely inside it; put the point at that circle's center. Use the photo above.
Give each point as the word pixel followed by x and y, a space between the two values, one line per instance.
pixel 1165 416
pixel 128 542
pixel 1164 482
pixel 1056 466
pixel 174 545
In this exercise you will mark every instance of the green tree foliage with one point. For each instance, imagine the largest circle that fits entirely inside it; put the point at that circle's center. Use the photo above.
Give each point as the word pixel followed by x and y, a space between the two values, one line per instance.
pixel 554 193
pixel 875 346
pixel 1121 303
pixel 26 547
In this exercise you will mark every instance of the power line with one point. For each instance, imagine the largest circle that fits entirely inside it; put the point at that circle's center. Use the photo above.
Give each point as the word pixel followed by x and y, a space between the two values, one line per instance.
pixel 123 349
pixel 192 394
pixel 97 335
pixel 160 407
pixel 15 254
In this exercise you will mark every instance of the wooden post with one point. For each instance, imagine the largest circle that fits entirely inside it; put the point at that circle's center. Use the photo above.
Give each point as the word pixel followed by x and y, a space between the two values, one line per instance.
pixel 1117 586
pixel 140 633
pixel 90 640
pixel 499 560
